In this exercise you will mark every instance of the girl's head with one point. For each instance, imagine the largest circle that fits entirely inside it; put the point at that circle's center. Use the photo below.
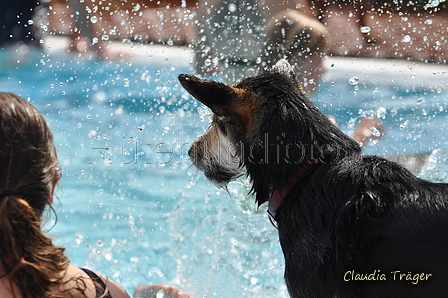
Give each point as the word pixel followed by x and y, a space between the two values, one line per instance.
pixel 28 160
pixel 28 175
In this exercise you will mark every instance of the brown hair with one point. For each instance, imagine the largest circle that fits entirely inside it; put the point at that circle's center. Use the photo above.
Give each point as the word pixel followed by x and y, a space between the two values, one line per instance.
pixel 292 32
pixel 28 173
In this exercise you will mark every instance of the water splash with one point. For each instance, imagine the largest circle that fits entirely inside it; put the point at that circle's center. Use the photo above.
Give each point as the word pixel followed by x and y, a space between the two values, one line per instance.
pixel 354 81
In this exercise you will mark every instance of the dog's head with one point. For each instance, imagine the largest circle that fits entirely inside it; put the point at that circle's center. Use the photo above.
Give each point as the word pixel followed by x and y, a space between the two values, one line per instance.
pixel 264 125
pixel 237 112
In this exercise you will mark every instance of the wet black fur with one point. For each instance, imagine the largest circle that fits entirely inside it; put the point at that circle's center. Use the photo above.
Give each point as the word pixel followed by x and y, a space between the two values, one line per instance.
pixel 348 212
pixel 285 134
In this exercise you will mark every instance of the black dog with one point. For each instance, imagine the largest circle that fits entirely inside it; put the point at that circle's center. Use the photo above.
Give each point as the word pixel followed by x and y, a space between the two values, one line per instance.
pixel 349 225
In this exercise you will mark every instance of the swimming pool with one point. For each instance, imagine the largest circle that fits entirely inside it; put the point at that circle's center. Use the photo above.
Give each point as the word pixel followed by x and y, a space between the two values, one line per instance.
pixel 130 204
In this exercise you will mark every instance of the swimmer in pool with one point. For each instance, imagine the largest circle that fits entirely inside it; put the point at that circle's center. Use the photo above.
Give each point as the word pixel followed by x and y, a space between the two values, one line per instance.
pixel 304 42
pixel 248 36
pixel 31 266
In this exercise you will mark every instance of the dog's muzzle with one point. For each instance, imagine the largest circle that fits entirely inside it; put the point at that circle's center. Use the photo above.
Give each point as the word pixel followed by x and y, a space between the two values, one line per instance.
pixel 219 175
pixel 217 169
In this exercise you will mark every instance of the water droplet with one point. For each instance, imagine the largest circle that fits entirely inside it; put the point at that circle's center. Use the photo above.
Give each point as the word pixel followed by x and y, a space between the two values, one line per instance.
pixel 79 239
pixel 105 37
pixel 253 280
pixel 381 112
pixel 232 7
pixel 207 62
pixel 394 111
pixel 93 19
pixel 365 30
pixel 119 110
pixel 126 82
pixel 351 123
pixel 406 38
pixel 136 7
pixel 404 124
pixel 95 40
pixel 353 81
pixel 375 132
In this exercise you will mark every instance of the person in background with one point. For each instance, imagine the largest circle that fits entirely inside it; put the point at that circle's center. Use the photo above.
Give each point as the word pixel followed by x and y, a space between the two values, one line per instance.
pixel 31 266
pixel 231 34
pixel 300 39
pixel 304 42
pixel 86 33
pixel 237 39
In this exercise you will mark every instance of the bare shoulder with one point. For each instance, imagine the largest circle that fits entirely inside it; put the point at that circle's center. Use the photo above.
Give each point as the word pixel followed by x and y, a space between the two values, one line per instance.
pixel 76 277
pixel 115 289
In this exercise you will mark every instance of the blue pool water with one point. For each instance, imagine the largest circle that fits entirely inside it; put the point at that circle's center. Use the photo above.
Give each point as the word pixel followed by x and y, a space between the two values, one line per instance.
pixel 131 206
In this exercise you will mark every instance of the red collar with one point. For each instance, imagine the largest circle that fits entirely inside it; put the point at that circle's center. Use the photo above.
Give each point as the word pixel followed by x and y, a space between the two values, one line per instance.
pixel 278 194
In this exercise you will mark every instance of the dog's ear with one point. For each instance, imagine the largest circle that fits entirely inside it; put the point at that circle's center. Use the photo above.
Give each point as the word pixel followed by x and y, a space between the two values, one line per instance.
pixel 214 95
pixel 283 67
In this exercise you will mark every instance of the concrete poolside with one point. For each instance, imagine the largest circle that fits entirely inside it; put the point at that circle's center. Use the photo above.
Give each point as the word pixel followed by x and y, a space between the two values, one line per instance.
pixel 405 35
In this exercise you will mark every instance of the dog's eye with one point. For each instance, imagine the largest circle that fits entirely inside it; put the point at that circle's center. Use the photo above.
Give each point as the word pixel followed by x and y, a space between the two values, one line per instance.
pixel 220 121
pixel 221 126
